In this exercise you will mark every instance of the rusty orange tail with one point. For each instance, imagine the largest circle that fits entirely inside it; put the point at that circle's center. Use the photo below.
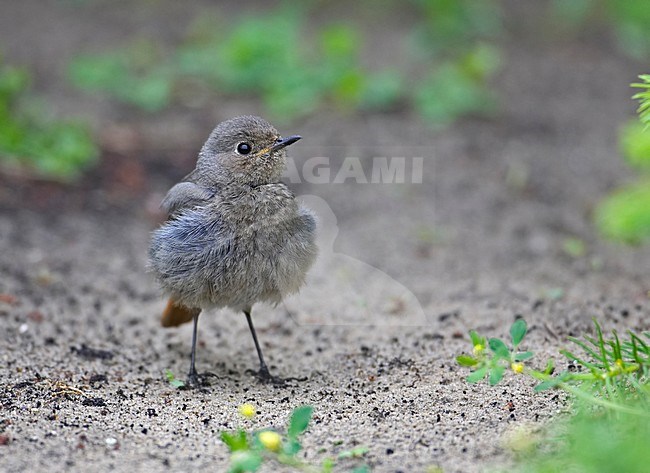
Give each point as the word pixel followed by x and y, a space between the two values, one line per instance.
pixel 176 314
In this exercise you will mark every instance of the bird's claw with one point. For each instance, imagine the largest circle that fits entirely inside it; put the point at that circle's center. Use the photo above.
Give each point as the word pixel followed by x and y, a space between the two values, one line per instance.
pixel 196 380
pixel 264 376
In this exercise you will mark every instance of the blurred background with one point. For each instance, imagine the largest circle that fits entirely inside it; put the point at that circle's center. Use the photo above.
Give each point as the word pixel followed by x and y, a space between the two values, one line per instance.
pixel 522 112
pixel 533 202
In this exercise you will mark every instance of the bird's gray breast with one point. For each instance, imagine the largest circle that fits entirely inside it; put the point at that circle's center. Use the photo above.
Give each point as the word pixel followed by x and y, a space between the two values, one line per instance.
pixel 235 251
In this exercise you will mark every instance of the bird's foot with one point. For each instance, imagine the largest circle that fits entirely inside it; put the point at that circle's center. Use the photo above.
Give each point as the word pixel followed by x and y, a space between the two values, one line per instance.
pixel 199 380
pixel 264 376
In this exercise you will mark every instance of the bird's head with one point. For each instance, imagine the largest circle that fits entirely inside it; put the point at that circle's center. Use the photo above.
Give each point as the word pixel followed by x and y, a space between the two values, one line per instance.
pixel 245 150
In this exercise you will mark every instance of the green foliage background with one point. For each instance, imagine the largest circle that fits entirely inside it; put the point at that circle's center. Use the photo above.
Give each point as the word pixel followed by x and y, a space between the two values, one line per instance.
pixel 56 149
pixel 296 67
pixel 624 215
pixel 296 71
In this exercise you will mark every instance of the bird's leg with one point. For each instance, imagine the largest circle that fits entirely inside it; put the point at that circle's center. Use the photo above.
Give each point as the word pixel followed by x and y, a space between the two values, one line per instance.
pixel 193 377
pixel 263 373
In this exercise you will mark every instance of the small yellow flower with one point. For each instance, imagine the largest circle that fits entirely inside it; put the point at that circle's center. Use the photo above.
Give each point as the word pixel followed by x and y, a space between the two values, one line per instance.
pixel 478 349
pixel 271 440
pixel 247 410
pixel 517 367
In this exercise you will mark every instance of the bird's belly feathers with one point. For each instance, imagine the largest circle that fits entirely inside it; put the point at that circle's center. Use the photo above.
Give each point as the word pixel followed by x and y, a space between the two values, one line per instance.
pixel 203 261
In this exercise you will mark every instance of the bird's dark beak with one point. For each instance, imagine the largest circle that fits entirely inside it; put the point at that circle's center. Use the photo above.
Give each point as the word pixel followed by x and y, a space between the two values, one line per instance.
pixel 284 142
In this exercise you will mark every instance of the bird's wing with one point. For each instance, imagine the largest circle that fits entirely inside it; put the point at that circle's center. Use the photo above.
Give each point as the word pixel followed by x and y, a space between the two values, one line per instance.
pixel 186 194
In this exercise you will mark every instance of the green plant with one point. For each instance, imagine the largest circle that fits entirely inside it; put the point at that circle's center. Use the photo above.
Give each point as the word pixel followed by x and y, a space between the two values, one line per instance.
pixel 610 390
pixel 451 27
pixel 624 215
pixel 51 148
pixel 250 450
pixel 611 372
pixel 631 20
pixel 634 144
pixel 495 362
pixel 459 87
pixel 588 442
pixel 643 97
pixel 265 56
pixel 293 77
pixel 627 19
pixel 173 381
pixel 135 75
pixel 295 72
pixel 457 35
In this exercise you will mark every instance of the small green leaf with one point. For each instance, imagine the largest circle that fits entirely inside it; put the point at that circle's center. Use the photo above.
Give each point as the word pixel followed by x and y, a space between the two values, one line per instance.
pixel 523 355
pixel 244 461
pixel 496 374
pixel 291 447
pixel 518 331
pixel 550 367
pixel 644 98
pixel 499 348
pixel 477 375
pixel 171 378
pixel 476 338
pixel 299 420
pixel 465 360
pixel 169 375
pixel 235 441
pixel 551 383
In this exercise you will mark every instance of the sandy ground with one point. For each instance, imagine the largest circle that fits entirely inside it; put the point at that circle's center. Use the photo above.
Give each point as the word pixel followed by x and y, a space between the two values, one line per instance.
pixel 475 245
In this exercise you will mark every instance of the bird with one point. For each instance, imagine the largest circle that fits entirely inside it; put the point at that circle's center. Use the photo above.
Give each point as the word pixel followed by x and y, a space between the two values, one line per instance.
pixel 235 234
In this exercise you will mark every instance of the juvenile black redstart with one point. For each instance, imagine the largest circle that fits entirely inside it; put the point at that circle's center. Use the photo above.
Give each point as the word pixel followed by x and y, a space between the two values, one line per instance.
pixel 235 234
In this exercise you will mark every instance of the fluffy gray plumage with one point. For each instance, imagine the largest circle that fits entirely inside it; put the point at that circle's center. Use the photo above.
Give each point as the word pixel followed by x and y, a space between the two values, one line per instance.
pixel 236 235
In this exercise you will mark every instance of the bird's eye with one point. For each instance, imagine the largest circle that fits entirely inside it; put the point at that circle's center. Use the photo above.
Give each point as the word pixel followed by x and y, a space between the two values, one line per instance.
pixel 244 148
